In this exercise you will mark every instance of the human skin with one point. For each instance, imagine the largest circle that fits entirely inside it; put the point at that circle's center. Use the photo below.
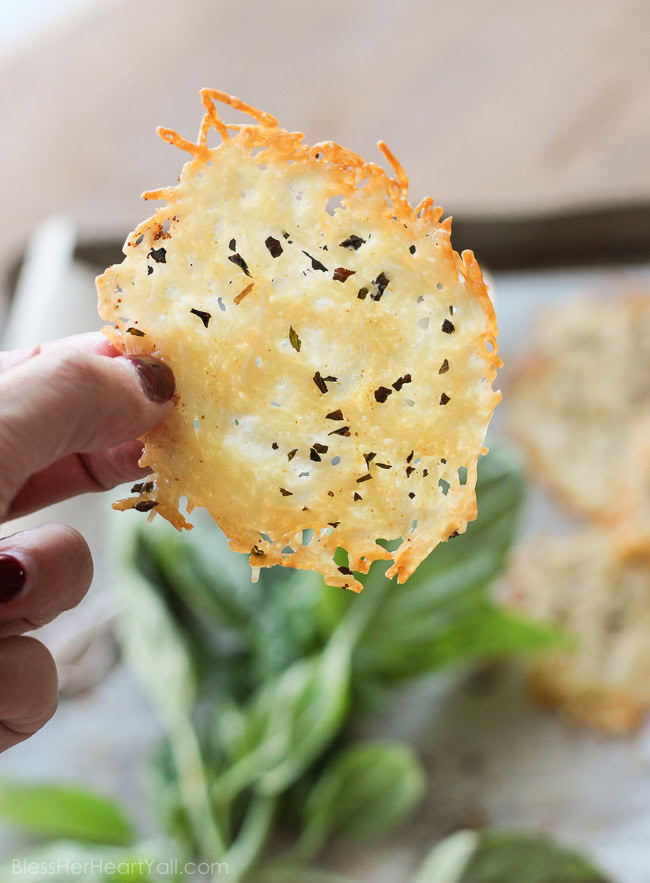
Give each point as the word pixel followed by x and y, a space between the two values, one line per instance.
pixel 70 414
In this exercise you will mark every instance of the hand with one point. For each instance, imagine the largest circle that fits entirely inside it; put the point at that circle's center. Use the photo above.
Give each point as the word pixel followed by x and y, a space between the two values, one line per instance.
pixel 69 414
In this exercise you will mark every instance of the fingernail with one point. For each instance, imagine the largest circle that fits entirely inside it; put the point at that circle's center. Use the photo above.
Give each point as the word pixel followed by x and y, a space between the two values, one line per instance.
pixel 12 577
pixel 157 379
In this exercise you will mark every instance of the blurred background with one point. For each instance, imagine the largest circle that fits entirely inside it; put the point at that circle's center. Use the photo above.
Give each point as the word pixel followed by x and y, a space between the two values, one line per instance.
pixel 530 124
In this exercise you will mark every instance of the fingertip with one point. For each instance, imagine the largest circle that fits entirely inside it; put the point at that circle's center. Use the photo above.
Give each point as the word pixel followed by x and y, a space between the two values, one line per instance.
pixel 28 688
pixel 155 377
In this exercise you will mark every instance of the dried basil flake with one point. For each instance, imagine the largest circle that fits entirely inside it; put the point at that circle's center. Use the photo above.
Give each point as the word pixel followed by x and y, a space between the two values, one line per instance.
pixel 320 383
pixel 142 487
pixel 294 340
pixel 273 246
pixel 380 282
pixel 203 316
pixel 241 263
pixel 159 255
pixel 315 265
pixel 352 241
pixel 145 505
pixel 399 383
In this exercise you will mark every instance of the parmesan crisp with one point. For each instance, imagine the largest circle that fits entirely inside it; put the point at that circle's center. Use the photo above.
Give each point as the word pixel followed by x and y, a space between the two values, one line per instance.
pixel 334 356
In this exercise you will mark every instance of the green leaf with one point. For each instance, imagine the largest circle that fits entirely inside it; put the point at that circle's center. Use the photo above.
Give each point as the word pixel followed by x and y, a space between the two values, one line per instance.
pixel 481 631
pixel 366 790
pixel 509 857
pixel 290 722
pixel 491 631
pixel 59 811
pixel 448 860
pixel 505 857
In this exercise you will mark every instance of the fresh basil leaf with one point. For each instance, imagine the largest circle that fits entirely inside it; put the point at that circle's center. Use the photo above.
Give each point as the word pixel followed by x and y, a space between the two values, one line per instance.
pixel 510 857
pixel 178 570
pixel 481 631
pixel 290 722
pixel 505 857
pixel 449 859
pixel 366 790
pixel 60 811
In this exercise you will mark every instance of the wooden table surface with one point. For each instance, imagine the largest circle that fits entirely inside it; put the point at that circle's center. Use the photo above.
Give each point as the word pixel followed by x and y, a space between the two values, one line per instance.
pixel 493 106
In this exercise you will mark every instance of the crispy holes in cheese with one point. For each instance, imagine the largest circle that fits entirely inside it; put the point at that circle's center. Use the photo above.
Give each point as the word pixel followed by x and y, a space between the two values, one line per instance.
pixel 334 357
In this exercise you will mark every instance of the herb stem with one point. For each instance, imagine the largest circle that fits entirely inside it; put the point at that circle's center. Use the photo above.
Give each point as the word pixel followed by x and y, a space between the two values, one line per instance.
pixel 252 836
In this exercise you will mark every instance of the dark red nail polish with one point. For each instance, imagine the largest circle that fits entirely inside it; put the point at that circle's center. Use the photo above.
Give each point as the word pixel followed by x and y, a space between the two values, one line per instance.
pixel 12 577
pixel 157 379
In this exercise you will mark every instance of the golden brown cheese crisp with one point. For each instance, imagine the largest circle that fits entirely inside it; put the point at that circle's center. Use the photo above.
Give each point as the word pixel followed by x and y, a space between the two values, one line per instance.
pixel 629 511
pixel 580 394
pixel 334 356
pixel 581 582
